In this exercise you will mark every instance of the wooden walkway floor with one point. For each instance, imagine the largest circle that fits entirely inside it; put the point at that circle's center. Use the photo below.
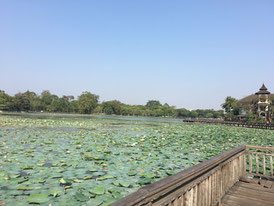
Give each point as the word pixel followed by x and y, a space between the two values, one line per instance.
pixel 250 193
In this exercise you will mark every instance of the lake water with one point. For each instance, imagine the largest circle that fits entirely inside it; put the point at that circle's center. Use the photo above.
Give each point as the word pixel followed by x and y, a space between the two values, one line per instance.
pixel 129 118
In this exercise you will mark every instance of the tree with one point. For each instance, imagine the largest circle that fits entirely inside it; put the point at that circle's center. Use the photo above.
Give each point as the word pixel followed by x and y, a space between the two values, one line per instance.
pixel 232 108
pixel 73 106
pixel 87 102
pixel 98 110
pixel 218 114
pixel 272 106
pixel 111 107
pixel 126 109
pixel 46 100
pixel 229 103
pixel 31 97
pixel 59 104
pixel 153 103
pixel 21 102
pixel 193 114
pixel 5 101
pixel 182 112
pixel 69 98
pixel 209 115
pixel 36 104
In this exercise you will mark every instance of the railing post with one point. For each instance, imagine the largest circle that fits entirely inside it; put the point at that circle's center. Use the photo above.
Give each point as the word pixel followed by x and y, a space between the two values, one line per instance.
pixel 271 165
pixel 245 163
pixel 250 162
pixel 257 163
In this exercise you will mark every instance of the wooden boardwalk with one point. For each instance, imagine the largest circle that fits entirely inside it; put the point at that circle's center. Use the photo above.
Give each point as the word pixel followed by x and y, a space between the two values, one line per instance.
pixel 232 123
pixel 223 180
pixel 250 193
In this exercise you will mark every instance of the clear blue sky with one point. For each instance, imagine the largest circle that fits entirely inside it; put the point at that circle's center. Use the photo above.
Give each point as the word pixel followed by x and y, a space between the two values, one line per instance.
pixel 190 54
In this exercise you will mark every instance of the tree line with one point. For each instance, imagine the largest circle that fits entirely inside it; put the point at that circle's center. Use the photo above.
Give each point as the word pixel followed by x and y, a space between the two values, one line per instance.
pixel 88 103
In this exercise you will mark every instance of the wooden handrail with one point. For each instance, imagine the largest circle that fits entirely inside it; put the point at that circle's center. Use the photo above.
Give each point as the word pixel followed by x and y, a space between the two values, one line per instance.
pixel 258 147
pixel 234 123
pixel 163 186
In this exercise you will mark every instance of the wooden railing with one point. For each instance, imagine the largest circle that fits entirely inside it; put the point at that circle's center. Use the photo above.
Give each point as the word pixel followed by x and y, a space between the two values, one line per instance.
pixel 233 123
pixel 203 184
pixel 259 161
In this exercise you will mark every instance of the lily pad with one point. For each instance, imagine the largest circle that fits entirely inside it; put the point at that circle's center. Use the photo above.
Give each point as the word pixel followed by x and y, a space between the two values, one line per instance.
pixel 99 190
pixel 124 183
pixel 105 177
pixel 80 197
pixel 93 170
pixel 65 182
pixel 55 193
pixel 38 198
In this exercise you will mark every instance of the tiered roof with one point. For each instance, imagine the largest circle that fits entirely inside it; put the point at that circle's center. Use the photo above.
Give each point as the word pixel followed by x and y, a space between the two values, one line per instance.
pixel 263 90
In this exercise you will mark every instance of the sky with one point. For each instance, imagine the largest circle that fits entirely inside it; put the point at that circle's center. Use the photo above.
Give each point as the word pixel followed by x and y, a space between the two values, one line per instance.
pixel 190 54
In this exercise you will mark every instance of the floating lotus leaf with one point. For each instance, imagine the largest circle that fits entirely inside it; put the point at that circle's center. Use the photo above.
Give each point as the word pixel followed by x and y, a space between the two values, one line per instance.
pixel 37 152
pixel 98 190
pixel 38 198
pixel 93 170
pixel 80 197
pixel 105 177
pixel 55 193
pixel 65 182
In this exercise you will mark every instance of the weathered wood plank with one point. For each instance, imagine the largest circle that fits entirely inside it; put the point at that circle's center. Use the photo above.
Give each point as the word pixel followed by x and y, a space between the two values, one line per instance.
pixel 259 147
pixel 188 198
pixel 239 201
pixel 265 183
pixel 250 193
pixel 250 162
pixel 257 164
pixel 271 166
pixel 209 190
pixel 264 171
pixel 195 192
pixel 253 186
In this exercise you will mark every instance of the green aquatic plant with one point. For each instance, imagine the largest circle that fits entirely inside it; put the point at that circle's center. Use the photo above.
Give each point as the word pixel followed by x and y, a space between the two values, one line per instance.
pixel 78 161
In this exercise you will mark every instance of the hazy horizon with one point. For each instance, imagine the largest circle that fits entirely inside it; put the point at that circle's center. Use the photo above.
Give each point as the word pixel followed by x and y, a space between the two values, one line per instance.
pixel 190 55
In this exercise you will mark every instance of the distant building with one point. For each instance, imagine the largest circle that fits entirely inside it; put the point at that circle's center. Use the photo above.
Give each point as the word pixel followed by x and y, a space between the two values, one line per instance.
pixel 263 101
pixel 258 103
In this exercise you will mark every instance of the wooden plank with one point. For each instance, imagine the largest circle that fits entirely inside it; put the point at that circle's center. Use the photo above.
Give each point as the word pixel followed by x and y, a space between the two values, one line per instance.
pixel 213 188
pixel 264 165
pixel 199 194
pixel 188 198
pixel 209 190
pixel 253 186
pixel 202 193
pixel 250 180
pixel 251 194
pixel 250 162
pixel 243 164
pixel 266 183
pixel 263 153
pixel 272 187
pixel 260 175
pixel 181 201
pixel 179 191
pixel 195 193
pixel 206 191
pixel 271 166
pixel 259 147
pixel 257 164
pixel 233 200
